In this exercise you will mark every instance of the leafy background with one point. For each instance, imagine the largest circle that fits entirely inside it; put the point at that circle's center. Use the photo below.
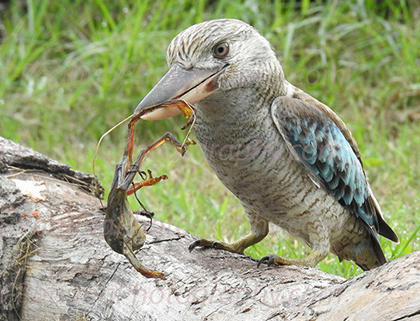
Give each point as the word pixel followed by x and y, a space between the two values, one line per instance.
pixel 71 69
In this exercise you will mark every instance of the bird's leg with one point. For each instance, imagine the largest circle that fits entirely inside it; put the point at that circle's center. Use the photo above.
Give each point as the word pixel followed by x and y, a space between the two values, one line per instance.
pixel 319 238
pixel 259 230
pixel 311 260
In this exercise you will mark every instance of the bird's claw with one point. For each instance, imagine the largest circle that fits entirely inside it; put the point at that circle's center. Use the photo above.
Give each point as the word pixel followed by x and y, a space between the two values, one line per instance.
pixel 270 260
pixel 205 244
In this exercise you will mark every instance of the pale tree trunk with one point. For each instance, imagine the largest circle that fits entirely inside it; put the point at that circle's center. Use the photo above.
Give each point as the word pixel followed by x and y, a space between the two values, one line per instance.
pixel 55 265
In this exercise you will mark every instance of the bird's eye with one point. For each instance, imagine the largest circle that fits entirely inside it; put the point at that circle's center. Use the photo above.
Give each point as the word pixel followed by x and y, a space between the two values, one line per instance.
pixel 221 50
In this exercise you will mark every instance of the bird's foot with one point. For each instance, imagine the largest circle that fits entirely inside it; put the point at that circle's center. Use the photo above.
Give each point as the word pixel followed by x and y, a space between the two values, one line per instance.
pixel 311 260
pixel 203 243
pixel 274 260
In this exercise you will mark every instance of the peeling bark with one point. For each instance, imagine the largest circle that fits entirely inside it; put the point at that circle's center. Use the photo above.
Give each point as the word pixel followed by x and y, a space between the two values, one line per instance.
pixel 55 265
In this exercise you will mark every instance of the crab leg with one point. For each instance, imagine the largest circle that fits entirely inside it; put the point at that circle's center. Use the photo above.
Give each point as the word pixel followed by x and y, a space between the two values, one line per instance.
pixel 168 137
pixel 185 109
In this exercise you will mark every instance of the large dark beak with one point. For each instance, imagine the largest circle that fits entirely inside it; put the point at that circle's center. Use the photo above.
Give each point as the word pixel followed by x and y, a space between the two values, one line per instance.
pixel 192 86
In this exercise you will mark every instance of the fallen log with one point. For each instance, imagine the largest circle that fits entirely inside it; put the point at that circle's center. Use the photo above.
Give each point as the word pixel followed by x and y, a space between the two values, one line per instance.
pixel 55 265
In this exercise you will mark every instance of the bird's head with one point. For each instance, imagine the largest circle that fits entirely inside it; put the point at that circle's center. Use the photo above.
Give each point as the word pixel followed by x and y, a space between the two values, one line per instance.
pixel 210 59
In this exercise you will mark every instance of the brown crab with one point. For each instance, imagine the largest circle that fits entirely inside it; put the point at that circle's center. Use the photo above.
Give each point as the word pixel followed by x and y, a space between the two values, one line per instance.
pixel 122 231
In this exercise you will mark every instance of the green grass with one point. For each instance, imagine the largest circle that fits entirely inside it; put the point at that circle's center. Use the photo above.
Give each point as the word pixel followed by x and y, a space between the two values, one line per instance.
pixel 69 70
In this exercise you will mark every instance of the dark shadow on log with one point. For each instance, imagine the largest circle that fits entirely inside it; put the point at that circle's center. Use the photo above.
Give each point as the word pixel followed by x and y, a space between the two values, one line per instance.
pixel 55 265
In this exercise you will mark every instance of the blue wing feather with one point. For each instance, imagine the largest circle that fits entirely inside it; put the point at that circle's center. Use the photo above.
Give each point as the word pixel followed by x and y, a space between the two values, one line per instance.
pixel 324 150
